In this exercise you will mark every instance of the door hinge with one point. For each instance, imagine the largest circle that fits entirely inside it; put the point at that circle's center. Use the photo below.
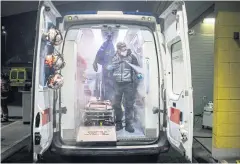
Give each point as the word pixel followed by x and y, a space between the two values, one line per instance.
pixel 174 12
pixel 47 8
pixel 37 137
pixel 156 110
pixel 63 110
pixel 163 92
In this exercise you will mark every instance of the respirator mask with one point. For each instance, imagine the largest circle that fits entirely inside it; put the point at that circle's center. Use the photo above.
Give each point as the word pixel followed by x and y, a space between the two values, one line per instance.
pixel 123 51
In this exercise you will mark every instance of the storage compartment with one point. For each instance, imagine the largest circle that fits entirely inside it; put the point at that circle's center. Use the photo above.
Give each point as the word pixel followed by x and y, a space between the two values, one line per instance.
pixel 102 97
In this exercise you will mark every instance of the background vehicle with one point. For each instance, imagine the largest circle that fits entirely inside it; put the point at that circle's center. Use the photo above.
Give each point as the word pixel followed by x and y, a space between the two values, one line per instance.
pixel 166 89
pixel 20 78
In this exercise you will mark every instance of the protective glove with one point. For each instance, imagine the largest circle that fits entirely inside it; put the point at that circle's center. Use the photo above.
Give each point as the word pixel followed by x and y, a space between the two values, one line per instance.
pixel 95 66
pixel 109 67
pixel 139 76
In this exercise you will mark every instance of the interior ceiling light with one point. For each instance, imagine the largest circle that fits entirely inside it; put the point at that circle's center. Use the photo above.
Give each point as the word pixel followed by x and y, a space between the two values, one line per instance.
pixel 209 20
pixel 75 18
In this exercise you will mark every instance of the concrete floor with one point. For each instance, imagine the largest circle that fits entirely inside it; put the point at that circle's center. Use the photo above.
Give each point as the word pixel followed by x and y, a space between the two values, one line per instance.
pixel 202 142
pixel 204 136
pixel 14 111
pixel 207 142
pixel 202 145
pixel 14 136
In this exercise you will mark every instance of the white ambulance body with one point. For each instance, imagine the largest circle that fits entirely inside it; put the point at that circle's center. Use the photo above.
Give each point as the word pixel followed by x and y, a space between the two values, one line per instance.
pixel 167 114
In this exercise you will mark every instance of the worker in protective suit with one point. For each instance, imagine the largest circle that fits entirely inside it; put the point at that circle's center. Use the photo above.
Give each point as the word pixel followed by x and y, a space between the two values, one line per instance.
pixel 5 89
pixel 103 57
pixel 123 75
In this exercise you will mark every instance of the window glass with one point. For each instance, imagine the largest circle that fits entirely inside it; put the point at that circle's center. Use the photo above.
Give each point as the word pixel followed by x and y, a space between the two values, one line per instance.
pixel 178 73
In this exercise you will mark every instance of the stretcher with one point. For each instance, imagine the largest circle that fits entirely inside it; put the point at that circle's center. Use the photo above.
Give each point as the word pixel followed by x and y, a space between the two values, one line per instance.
pixel 98 113
pixel 98 123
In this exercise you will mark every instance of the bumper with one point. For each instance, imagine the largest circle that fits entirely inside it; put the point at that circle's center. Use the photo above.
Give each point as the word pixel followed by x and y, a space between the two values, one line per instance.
pixel 160 147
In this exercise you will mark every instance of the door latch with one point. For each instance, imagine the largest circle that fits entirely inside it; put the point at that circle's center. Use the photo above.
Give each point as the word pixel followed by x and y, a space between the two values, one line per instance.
pixel 183 133
pixel 184 137
pixel 155 110
pixel 37 138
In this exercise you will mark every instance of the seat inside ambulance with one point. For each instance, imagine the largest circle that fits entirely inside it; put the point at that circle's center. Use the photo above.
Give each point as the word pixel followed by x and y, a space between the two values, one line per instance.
pixel 89 91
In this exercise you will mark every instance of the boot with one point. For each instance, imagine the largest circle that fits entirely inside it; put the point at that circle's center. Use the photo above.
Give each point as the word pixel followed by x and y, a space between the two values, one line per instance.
pixel 119 126
pixel 4 118
pixel 129 128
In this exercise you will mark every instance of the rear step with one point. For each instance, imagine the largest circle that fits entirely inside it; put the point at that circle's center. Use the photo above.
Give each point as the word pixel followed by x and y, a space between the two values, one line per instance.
pixel 132 139
pixel 97 134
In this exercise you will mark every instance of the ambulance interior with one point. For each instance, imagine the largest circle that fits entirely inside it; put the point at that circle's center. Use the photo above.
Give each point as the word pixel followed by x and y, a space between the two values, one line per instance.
pixel 83 85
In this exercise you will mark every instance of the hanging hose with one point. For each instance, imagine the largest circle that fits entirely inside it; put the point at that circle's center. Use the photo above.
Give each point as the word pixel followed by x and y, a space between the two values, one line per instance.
pixel 202 136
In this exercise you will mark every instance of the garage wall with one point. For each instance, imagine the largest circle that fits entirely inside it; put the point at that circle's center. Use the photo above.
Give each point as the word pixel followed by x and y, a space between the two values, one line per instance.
pixel 20 36
pixel 202 52
pixel 226 131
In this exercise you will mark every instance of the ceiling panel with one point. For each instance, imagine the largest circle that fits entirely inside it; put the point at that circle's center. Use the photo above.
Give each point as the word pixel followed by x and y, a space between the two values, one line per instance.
pixel 17 7
pixel 194 8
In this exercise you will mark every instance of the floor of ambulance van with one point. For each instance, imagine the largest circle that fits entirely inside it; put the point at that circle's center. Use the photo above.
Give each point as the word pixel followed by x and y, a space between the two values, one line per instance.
pixel 136 135
pixel 125 136
pixel 121 136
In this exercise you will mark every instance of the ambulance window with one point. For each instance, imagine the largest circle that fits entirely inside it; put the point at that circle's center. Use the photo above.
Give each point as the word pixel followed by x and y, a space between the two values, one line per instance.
pixel 44 70
pixel 177 67
pixel 14 75
pixel 21 75
pixel 45 49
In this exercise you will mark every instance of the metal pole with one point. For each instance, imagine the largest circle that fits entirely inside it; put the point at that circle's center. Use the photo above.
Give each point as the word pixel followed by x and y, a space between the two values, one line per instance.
pixel 5 43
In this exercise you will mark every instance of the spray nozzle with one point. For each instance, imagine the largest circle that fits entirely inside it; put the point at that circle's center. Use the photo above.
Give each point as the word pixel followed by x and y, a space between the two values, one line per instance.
pixel 139 76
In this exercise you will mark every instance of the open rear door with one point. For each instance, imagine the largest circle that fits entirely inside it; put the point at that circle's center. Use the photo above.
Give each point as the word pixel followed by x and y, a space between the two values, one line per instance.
pixel 178 79
pixel 42 96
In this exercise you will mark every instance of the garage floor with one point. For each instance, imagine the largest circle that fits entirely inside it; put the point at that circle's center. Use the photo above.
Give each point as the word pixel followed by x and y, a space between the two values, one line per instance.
pixel 201 150
pixel 204 136
pixel 202 142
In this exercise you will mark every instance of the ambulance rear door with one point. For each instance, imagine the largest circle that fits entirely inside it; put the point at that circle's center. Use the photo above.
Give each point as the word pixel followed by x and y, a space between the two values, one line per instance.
pixel 43 105
pixel 178 81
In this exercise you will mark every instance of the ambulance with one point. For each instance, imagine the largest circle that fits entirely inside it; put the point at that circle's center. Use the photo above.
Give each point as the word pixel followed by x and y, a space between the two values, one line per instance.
pixel 70 112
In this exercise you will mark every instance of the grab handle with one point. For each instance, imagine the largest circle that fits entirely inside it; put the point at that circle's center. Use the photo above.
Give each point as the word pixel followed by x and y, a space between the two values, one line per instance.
pixel 147 77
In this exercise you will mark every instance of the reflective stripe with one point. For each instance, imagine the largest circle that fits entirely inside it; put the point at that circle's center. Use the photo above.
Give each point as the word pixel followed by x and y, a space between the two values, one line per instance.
pixel 45 116
pixel 175 115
